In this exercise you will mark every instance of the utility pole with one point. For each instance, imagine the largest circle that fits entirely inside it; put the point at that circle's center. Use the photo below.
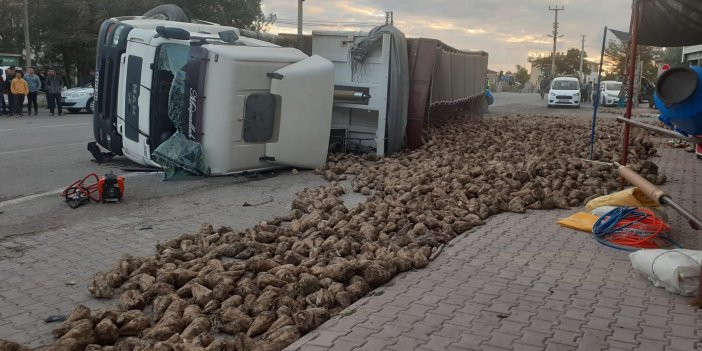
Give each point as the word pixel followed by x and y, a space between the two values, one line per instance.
pixel 299 23
pixel 555 37
pixel 28 54
pixel 582 54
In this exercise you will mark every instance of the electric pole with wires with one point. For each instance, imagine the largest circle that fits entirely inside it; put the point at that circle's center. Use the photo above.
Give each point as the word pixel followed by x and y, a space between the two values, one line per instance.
pixel 582 55
pixel 27 47
pixel 555 37
pixel 299 23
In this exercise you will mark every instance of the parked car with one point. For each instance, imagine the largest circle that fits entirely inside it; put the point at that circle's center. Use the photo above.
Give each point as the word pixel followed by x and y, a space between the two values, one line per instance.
pixel 565 91
pixel 609 95
pixel 77 99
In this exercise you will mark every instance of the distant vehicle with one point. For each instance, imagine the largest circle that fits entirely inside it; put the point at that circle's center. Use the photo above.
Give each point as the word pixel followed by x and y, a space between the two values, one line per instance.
pixel 609 93
pixel 2 72
pixel 565 91
pixel 80 98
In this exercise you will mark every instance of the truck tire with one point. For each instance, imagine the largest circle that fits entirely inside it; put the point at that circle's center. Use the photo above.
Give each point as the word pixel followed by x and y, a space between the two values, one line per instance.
pixel 168 12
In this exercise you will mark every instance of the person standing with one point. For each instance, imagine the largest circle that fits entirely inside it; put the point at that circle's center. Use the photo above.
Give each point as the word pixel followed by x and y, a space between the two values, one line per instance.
pixel 3 107
pixel 19 90
pixel 34 84
pixel 7 88
pixel 54 84
pixel 42 77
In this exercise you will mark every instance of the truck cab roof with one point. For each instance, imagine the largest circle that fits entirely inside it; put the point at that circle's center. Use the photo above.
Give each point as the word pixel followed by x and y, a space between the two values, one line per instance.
pixel 202 30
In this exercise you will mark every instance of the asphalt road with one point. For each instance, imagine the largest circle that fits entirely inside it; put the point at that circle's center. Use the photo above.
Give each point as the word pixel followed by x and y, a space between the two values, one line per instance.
pixel 41 155
pixel 510 103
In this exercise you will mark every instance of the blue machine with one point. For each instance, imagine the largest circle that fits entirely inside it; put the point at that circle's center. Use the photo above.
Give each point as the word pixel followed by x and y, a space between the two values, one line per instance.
pixel 489 97
pixel 679 99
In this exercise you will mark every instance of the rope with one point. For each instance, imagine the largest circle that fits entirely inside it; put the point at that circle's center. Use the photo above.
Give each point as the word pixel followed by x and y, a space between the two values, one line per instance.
pixel 630 229
pixel 82 190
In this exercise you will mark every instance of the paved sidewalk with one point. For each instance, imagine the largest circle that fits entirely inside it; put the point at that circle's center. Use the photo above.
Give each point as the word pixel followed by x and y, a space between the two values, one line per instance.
pixel 523 283
pixel 47 273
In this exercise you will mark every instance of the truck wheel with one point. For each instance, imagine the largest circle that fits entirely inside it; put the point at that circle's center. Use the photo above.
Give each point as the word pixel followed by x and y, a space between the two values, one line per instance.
pixel 168 12
pixel 90 105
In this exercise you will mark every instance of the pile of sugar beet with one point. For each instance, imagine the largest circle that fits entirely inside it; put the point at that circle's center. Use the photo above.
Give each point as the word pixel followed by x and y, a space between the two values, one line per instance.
pixel 264 287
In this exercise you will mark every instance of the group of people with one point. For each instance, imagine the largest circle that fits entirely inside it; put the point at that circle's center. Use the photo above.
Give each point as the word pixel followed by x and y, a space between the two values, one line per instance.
pixel 17 86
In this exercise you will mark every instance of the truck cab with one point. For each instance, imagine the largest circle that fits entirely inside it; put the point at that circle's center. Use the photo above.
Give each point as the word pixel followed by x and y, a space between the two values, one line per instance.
pixel 201 98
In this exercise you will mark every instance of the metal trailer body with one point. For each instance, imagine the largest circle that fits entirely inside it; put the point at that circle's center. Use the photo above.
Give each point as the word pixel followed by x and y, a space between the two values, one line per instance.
pixel 359 124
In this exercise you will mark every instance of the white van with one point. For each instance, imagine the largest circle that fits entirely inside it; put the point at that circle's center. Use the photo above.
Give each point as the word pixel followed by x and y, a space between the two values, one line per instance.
pixel 609 93
pixel 565 91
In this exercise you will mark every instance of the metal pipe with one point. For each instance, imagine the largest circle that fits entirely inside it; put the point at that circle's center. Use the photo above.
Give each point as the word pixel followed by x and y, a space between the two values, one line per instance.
pixel 350 95
pixel 596 103
pixel 695 222
pixel 668 132
pixel 635 16
pixel 656 194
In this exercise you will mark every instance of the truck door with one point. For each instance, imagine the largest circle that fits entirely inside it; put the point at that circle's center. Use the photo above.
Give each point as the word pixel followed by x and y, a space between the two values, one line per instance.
pixel 306 92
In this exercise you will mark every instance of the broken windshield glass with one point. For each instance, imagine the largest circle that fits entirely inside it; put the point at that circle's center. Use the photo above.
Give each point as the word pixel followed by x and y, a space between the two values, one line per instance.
pixel 169 128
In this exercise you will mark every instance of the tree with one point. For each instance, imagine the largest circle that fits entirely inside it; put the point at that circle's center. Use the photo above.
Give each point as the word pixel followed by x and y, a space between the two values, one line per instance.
pixel 566 64
pixel 671 56
pixel 618 51
pixel 522 75
pixel 64 32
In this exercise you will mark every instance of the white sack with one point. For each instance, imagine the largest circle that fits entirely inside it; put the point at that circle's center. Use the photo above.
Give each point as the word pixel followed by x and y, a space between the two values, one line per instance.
pixel 677 271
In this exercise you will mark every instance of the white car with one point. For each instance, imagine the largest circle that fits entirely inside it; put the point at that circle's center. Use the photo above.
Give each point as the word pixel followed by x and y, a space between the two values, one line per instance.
pixel 77 99
pixel 565 91
pixel 609 93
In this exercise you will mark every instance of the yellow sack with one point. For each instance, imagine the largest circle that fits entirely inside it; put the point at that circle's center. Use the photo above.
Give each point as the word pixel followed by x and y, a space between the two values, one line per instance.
pixel 631 197
pixel 580 221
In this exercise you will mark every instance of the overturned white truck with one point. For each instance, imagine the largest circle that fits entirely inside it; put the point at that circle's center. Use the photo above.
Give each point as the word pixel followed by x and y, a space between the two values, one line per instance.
pixel 217 100
pixel 203 98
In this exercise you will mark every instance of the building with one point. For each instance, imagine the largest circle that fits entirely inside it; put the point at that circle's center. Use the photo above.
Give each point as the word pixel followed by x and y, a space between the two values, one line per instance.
pixel 692 55
pixel 492 77
pixel 594 66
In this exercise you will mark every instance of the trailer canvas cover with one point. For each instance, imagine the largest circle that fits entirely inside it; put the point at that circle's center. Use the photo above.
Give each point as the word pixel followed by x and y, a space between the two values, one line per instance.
pixel 670 22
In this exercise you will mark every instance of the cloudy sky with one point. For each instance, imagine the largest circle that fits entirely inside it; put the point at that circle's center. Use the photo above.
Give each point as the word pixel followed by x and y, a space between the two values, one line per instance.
pixel 509 30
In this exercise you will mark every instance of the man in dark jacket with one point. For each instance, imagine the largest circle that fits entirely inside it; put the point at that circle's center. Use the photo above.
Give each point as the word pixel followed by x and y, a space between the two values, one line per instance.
pixel 54 84
pixel 9 75
pixel 3 107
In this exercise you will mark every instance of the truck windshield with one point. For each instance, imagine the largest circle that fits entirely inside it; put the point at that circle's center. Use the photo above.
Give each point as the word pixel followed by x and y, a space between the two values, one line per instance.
pixel 565 85
pixel 168 87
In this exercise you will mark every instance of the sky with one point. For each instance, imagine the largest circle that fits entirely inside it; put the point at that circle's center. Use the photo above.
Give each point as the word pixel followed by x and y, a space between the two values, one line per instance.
pixel 509 30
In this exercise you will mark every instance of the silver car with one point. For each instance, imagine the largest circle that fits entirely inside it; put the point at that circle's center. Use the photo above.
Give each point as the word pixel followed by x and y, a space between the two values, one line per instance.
pixel 77 99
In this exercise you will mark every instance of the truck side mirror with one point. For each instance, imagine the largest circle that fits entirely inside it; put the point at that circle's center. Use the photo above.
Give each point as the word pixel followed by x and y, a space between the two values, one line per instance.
pixel 173 33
